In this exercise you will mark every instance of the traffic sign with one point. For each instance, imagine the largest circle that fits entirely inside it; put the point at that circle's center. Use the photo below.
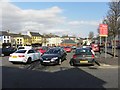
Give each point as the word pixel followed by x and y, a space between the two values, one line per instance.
pixel 103 30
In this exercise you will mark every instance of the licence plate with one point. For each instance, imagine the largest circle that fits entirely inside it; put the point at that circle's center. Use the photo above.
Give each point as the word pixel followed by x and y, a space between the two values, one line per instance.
pixel 46 61
pixel 83 61
pixel 14 56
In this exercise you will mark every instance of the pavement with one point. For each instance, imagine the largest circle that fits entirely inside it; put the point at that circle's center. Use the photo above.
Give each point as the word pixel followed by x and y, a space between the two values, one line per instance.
pixel 109 60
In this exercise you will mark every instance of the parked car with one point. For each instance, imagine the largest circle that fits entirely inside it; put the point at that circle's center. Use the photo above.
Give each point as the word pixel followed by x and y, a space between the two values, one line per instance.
pixel 24 55
pixel 95 47
pixel 7 51
pixel 43 49
pixel 67 49
pixel 82 56
pixel 24 47
pixel 53 56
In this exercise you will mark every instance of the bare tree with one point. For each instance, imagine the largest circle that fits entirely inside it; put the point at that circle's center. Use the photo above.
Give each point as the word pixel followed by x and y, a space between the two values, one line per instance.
pixel 111 20
pixel 91 35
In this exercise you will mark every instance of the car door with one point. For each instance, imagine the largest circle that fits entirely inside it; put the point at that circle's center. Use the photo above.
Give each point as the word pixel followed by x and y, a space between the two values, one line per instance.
pixel 37 55
pixel 31 54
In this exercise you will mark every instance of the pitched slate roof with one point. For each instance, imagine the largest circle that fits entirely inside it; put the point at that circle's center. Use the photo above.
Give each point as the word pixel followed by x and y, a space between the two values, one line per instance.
pixel 15 35
pixel 26 36
pixel 4 33
pixel 68 41
pixel 50 35
pixel 35 34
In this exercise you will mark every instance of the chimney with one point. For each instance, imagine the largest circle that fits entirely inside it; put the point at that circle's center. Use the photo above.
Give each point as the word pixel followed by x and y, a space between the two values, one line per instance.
pixel 8 31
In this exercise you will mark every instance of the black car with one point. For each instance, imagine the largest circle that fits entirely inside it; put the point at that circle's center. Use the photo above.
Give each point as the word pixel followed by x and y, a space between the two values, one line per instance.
pixel 82 56
pixel 53 56
pixel 7 51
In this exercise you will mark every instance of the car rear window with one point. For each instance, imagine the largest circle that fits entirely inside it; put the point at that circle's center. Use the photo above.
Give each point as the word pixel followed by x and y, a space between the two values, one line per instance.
pixel 21 48
pixel 20 51
pixel 83 51
pixel 52 51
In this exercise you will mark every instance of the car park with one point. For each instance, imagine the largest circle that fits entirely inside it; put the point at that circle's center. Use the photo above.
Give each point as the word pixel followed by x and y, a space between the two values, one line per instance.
pixel 24 55
pixel 82 56
pixel 53 56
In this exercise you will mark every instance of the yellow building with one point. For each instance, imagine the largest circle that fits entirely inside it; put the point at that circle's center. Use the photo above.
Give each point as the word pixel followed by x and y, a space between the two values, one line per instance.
pixel 27 40
pixel 36 38
pixel 21 40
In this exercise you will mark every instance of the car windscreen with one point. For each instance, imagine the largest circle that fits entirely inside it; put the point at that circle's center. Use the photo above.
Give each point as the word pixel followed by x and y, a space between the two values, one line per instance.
pixel 83 52
pixel 66 47
pixel 21 48
pixel 20 51
pixel 52 51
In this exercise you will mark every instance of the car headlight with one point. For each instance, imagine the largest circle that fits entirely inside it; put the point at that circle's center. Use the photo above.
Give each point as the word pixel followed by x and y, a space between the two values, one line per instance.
pixel 53 59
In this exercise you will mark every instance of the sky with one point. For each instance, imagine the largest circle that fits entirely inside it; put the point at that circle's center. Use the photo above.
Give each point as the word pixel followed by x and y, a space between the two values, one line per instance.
pixel 61 18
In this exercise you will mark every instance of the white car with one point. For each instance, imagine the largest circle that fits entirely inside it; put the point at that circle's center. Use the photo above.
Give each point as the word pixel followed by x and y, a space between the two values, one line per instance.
pixel 25 56
pixel 24 47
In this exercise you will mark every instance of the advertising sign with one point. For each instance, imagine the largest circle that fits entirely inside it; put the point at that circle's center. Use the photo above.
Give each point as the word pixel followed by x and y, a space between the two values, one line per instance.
pixel 103 30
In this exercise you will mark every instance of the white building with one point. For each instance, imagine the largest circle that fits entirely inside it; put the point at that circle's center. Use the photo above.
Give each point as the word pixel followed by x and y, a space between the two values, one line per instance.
pixel 5 37
pixel 53 40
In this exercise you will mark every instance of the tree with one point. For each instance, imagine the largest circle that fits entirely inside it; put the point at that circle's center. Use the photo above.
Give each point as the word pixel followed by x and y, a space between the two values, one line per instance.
pixel 111 20
pixel 91 35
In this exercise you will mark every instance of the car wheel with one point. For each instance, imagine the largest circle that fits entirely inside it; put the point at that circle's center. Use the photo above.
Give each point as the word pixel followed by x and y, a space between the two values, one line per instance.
pixel 29 60
pixel 71 63
pixel 60 61
pixel 13 62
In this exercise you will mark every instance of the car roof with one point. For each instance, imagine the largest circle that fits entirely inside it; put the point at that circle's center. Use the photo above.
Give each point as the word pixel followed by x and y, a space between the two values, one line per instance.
pixel 84 48
pixel 25 49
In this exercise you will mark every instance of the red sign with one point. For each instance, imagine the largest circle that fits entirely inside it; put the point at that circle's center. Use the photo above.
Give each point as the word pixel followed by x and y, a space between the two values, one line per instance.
pixel 103 30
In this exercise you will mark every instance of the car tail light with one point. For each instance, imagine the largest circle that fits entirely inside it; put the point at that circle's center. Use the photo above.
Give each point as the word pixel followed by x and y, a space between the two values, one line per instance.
pixel 10 56
pixel 21 56
pixel 93 56
pixel 74 56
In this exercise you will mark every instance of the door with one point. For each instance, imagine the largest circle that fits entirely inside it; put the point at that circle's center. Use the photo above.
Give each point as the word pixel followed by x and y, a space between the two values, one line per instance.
pixel 31 54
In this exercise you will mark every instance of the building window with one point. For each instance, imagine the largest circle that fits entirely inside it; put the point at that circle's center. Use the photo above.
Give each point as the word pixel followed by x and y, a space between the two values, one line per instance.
pixel 8 37
pixel 4 41
pixel 4 37
pixel 7 41
pixel 17 39
pixel 20 39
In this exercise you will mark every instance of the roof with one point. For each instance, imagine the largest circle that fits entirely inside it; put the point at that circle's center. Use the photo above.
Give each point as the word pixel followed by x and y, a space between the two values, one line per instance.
pixel 4 33
pixel 68 41
pixel 26 36
pixel 50 36
pixel 19 35
pixel 68 36
pixel 35 34
pixel 15 35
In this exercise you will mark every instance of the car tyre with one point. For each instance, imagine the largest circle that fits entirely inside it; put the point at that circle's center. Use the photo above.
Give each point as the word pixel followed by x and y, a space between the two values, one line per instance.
pixel 60 61
pixel 29 60
pixel 71 63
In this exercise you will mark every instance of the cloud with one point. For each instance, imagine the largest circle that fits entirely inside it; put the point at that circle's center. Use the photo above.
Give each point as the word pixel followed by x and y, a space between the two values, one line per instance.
pixel 49 20
pixel 80 22
pixel 16 19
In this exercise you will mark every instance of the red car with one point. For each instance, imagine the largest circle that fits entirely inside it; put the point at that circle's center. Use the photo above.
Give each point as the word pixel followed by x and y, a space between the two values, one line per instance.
pixel 95 47
pixel 42 50
pixel 67 49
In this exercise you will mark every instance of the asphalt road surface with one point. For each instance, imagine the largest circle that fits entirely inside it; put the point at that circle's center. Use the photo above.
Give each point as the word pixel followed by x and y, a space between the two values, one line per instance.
pixel 58 76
